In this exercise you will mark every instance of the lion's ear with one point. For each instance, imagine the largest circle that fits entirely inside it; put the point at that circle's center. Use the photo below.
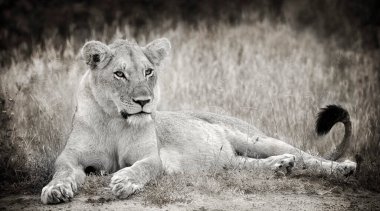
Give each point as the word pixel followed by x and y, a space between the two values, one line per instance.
pixel 96 54
pixel 157 50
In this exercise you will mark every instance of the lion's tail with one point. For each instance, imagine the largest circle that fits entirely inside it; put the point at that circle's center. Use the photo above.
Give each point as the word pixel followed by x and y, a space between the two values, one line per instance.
pixel 327 118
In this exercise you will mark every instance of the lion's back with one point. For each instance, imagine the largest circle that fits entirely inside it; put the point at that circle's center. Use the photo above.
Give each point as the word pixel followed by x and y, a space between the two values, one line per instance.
pixel 166 120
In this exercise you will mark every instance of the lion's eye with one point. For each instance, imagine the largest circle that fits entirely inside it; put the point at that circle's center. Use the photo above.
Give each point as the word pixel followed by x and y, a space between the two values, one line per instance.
pixel 148 72
pixel 119 74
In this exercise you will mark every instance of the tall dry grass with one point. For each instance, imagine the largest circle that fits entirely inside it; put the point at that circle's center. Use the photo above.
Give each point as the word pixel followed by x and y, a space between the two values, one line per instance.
pixel 264 73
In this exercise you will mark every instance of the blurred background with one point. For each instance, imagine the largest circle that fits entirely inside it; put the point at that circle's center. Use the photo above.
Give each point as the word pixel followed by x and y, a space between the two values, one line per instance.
pixel 272 63
pixel 25 23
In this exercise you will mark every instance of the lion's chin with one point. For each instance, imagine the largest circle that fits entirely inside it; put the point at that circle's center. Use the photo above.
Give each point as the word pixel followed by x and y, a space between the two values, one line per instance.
pixel 139 119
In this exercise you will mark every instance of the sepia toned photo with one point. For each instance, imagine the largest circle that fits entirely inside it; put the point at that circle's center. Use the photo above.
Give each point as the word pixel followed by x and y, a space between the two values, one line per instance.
pixel 190 105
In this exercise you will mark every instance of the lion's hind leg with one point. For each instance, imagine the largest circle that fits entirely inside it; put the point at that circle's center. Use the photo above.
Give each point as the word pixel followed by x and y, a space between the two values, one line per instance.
pixel 267 147
pixel 279 163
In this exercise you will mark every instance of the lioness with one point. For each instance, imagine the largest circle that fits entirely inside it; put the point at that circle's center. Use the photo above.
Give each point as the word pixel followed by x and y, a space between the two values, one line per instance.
pixel 117 129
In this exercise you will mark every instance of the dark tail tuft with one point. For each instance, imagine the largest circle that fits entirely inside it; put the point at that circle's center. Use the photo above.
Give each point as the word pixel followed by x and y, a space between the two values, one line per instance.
pixel 329 116
pixel 326 119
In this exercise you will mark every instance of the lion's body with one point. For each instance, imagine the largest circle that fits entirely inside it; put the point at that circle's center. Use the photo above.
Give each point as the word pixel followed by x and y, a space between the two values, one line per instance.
pixel 188 141
pixel 117 129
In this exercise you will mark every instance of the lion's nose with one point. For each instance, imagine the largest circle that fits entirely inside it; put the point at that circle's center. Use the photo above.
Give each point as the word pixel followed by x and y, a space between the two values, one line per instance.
pixel 141 101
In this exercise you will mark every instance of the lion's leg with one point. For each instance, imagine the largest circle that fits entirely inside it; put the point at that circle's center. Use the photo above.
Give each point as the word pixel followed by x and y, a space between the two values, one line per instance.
pixel 69 171
pixel 264 147
pixel 145 160
pixel 279 163
pixel 68 177
pixel 131 179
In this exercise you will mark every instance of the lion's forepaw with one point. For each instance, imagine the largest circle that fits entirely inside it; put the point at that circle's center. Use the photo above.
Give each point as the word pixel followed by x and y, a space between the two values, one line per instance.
pixel 57 191
pixel 122 186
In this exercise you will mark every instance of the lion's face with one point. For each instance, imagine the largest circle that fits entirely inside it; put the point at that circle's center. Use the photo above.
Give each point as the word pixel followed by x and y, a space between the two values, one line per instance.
pixel 124 77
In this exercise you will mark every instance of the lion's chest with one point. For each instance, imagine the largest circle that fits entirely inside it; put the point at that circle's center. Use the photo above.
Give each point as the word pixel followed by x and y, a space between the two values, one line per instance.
pixel 129 144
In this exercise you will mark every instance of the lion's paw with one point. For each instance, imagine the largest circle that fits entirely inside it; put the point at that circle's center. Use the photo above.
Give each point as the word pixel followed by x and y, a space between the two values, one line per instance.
pixel 282 163
pixel 122 186
pixel 58 191
pixel 346 168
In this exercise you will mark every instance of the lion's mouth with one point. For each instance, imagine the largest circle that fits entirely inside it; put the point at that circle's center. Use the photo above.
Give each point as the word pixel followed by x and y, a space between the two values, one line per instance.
pixel 126 115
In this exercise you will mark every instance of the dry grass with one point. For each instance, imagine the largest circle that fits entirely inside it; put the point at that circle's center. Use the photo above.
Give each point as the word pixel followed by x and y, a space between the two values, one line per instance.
pixel 264 73
pixel 185 188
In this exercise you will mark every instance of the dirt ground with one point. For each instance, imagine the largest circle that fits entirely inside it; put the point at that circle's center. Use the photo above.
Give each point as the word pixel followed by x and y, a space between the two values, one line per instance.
pixel 223 201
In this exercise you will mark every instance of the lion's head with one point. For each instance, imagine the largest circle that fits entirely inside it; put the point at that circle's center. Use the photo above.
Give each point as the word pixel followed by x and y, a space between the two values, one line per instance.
pixel 124 77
